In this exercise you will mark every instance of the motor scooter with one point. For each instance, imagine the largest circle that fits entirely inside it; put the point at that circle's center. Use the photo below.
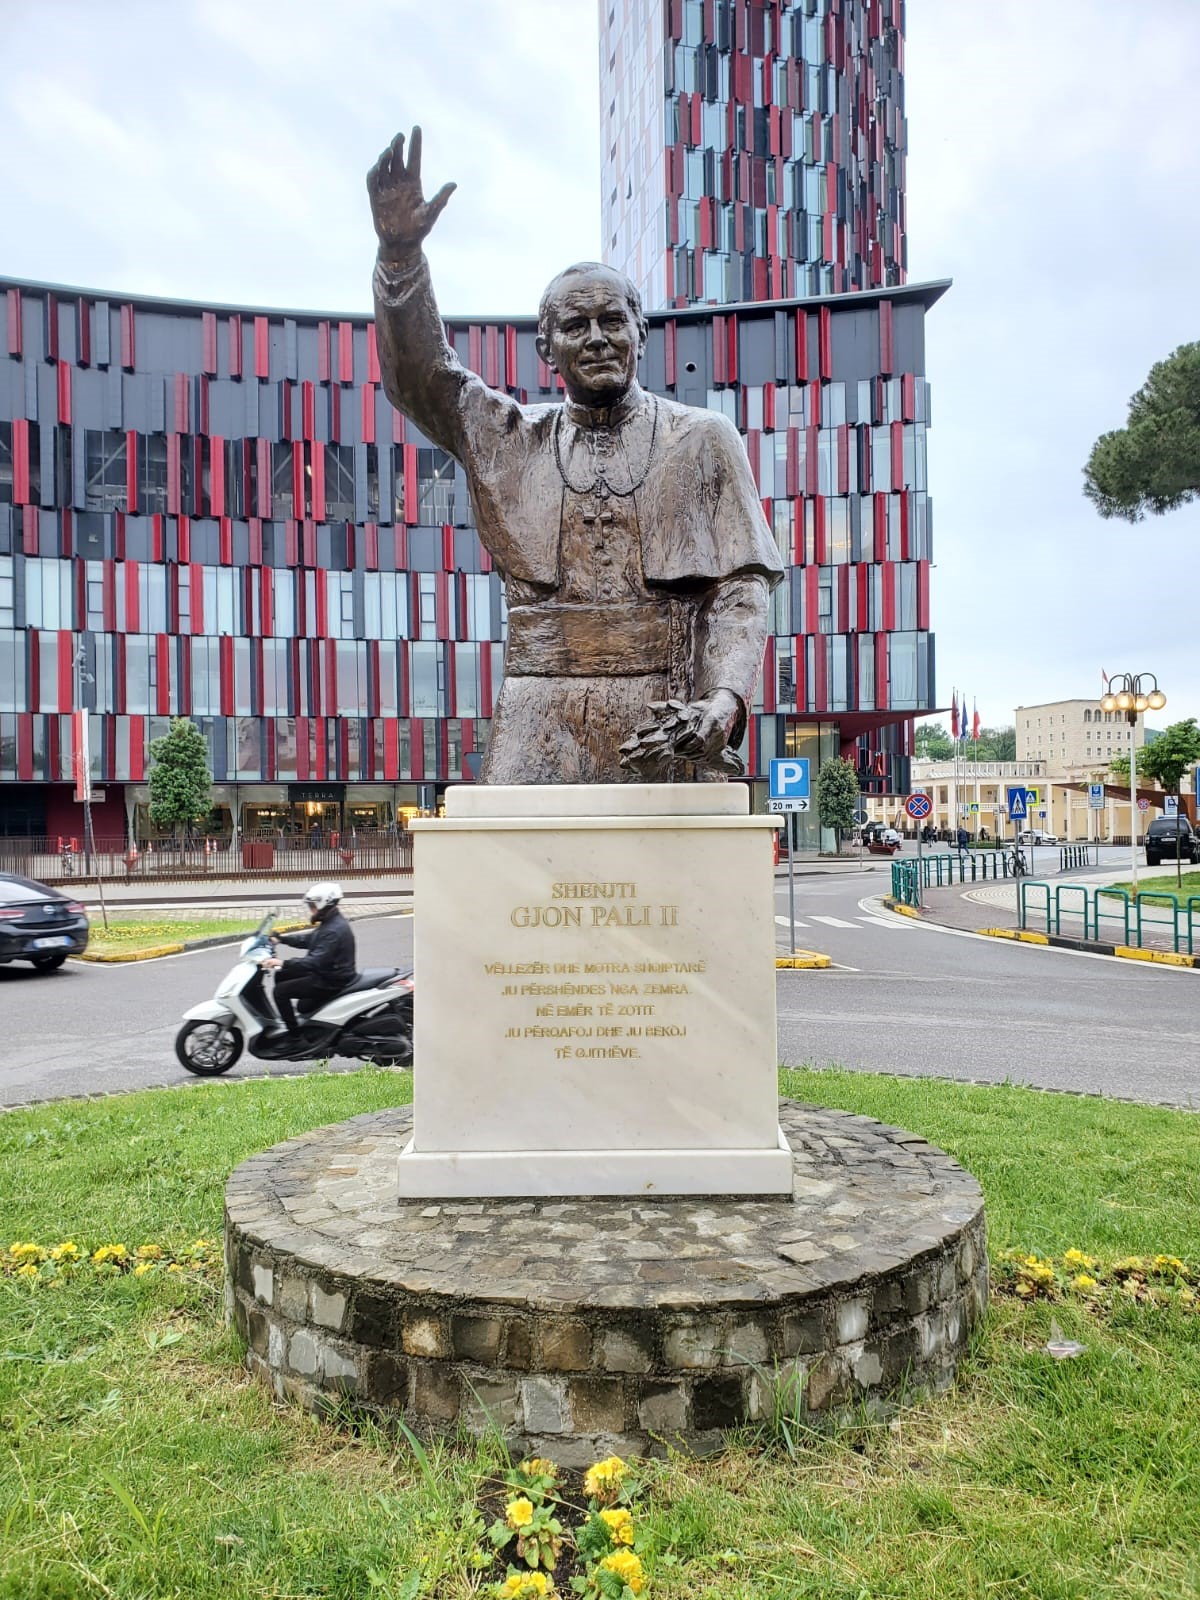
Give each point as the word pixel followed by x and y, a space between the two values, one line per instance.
pixel 371 1019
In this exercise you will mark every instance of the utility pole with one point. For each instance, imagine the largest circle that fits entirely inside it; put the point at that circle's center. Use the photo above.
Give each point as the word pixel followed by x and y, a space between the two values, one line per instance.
pixel 83 776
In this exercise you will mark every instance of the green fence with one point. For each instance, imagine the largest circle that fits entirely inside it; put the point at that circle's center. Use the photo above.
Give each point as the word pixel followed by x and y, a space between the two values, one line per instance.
pixel 915 873
pixel 1112 915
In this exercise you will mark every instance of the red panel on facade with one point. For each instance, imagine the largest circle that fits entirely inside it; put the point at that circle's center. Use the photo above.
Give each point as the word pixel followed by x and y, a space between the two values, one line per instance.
pixel 303 746
pixel 897 455
pixel 132 615
pixel 128 339
pixel 719 349
pixel 820 539
pixel 880 514
pixel 391 750
pixel 15 340
pixel 447 547
pixel 888 620
pixel 368 413
pixel 372 354
pixel 485 679
pixel 235 347
pixel 64 392
pixel 162 660
pixel 908 397
pixel 137 749
pixel 843 460
pixel 24 748
pixel 225 657
pixel 669 337
pixel 299 499
pixel 768 678
pixel 922 594
pixel 173 504
pixel 208 342
pixel 262 475
pixel 812 479
pixel 510 356
pixel 345 352
pixel 802 347
pixel 886 341
pixel 416 748
pixel 262 348
pixel 825 341
pixel 30 531
pixel 180 401
pixel 410 485
pixel 196 595
pixel 491 356
pixel 20 449
pixel 317 453
pixel 216 476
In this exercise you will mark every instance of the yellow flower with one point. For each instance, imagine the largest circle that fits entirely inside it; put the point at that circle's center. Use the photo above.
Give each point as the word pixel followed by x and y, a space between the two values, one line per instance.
pixel 142 1268
pixel 526 1585
pixel 619 1524
pixel 538 1467
pixel 518 1513
pixel 1168 1264
pixel 174 1267
pixel 149 1252
pixel 28 1270
pixel 68 1251
pixel 604 1479
pixel 26 1252
pixel 1076 1258
pixel 110 1252
pixel 1083 1281
pixel 628 1568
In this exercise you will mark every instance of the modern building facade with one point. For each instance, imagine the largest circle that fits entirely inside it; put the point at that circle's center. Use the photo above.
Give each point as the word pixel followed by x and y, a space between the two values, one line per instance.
pixel 753 149
pixel 216 510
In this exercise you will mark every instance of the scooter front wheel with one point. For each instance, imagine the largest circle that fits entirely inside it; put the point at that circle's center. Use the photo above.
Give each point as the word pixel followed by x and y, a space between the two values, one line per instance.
pixel 208 1048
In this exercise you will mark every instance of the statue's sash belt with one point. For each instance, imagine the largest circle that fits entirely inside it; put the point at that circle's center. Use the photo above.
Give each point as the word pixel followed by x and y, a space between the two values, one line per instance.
pixel 589 641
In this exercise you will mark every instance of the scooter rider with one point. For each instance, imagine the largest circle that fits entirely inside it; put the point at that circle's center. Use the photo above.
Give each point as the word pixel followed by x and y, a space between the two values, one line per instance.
pixel 329 965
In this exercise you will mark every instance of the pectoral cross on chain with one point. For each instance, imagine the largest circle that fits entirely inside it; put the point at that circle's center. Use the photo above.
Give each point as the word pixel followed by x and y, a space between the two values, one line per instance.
pixel 604 518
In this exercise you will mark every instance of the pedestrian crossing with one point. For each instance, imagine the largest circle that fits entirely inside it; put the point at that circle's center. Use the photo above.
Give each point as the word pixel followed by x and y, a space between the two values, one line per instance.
pixel 841 922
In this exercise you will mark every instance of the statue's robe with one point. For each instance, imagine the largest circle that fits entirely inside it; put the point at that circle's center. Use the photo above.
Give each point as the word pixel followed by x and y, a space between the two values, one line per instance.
pixel 636 558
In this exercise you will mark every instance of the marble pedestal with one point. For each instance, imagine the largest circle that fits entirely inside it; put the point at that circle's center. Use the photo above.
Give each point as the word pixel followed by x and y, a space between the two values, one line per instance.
pixel 595 995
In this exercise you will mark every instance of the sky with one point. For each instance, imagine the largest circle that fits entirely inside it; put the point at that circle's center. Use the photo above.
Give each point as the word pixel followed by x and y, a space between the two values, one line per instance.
pixel 216 149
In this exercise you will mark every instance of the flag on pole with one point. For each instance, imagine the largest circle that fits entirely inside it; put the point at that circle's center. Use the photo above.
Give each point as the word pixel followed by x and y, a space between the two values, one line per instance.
pixel 962 721
pixel 954 713
pixel 1104 677
pixel 975 720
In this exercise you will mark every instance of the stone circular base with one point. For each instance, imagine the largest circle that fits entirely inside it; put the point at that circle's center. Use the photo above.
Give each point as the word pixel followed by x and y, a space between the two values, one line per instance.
pixel 584 1327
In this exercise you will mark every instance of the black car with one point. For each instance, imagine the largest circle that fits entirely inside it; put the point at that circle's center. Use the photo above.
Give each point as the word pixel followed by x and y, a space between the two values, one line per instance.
pixel 1171 836
pixel 38 924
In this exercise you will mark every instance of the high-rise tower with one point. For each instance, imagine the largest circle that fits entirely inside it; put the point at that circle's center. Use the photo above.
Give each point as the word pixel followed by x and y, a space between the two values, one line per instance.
pixel 753 149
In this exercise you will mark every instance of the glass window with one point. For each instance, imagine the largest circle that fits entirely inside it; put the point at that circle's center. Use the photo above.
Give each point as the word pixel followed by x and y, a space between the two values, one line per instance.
pixel 152 474
pixel 6 592
pixel 428 601
pixel 282 496
pixel 435 488
pixel 339 483
pixel 424 686
pixel 6 464
pixel 104 469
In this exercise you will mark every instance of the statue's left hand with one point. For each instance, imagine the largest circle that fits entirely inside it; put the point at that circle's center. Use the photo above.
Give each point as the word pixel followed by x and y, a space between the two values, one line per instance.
pixel 710 725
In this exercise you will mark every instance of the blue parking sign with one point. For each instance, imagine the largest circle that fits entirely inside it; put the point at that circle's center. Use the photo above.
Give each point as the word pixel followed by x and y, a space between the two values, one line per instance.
pixel 789 778
pixel 1018 803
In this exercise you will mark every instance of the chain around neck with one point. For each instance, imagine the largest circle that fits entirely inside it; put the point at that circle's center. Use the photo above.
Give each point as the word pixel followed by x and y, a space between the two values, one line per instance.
pixel 600 482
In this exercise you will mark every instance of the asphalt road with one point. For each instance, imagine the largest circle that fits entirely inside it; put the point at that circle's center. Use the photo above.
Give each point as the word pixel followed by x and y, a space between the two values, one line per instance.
pixel 903 997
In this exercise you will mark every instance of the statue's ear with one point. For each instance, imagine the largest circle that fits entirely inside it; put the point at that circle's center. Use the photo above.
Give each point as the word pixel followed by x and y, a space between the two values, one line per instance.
pixel 542 345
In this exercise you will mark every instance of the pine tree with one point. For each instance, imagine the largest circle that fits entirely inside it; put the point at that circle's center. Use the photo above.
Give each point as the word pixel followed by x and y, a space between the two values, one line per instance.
pixel 180 778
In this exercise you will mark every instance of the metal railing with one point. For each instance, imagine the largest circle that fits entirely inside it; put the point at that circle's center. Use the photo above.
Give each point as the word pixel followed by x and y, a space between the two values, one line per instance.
pixel 65 861
pixel 1157 919
pixel 914 873
pixel 1077 855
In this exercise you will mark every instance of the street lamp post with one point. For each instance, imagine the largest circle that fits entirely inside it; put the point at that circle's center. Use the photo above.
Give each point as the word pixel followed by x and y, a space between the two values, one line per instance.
pixel 1132 694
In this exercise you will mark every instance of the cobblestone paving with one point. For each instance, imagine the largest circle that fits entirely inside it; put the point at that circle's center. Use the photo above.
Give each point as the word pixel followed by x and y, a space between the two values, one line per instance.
pixel 865 1198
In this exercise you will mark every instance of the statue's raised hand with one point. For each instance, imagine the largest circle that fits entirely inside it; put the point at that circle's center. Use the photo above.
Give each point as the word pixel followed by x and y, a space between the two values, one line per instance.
pixel 401 213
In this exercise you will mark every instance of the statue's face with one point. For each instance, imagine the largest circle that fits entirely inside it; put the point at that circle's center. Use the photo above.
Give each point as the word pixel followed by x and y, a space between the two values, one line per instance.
pixel 594 340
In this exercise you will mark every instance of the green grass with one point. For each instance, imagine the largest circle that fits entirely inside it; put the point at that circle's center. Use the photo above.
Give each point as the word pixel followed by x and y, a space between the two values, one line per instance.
pixel 126 935
pixel 1162 884
pixel 138 1463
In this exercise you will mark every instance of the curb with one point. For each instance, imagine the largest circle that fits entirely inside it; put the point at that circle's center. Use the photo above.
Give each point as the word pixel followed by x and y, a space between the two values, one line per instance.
pixel 148 953
pixel 899 909
pixel 807 959
pixel 1096 947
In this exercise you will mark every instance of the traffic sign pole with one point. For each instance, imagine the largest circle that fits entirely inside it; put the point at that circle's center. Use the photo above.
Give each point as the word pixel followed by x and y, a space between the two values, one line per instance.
pixel 791 889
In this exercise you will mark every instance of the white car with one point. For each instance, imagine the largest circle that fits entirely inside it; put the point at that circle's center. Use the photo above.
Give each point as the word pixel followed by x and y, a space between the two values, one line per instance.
pixel 1037 836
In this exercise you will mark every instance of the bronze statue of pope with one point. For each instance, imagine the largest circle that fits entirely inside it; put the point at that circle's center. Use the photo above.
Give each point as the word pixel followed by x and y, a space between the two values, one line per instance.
pixel 636 560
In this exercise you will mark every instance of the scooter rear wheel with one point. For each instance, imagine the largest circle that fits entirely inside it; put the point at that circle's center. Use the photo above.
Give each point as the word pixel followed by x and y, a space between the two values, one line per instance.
pixel 207 1048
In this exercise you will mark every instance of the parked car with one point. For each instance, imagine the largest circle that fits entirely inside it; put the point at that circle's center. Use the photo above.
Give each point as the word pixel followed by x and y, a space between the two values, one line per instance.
pixel 1037 836
pixel 38 924
pixel 1171 836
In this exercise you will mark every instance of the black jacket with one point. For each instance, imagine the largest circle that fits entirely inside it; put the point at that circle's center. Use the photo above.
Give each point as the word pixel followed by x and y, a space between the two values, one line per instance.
pixel 331 958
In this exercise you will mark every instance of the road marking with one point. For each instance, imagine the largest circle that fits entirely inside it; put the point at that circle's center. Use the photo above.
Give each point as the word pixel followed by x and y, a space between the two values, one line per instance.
pixel 833 922
pixel 786 922
pixel 884 922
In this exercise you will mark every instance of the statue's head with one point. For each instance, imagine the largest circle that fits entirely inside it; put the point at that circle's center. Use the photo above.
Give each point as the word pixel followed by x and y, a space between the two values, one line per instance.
pixel 592 331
